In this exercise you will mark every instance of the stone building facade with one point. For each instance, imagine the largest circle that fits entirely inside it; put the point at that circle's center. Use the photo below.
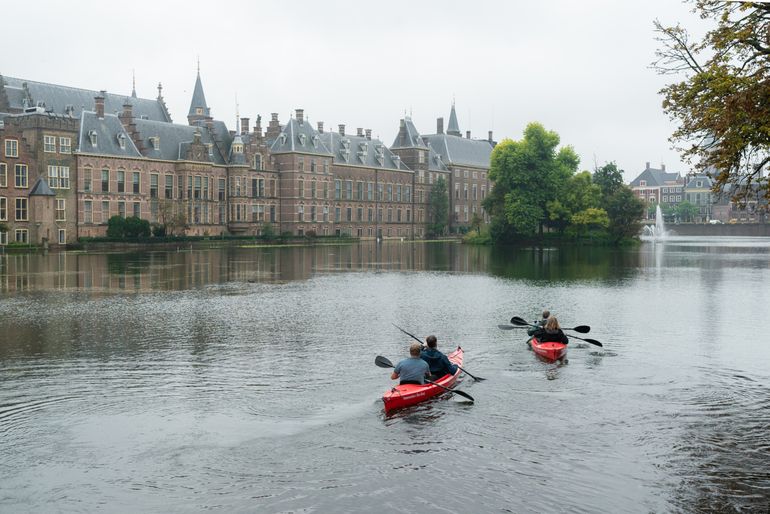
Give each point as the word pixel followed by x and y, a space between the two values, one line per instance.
pixel 98 155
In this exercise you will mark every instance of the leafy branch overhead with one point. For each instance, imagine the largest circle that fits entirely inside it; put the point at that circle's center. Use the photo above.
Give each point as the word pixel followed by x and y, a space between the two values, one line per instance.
pixel 722 105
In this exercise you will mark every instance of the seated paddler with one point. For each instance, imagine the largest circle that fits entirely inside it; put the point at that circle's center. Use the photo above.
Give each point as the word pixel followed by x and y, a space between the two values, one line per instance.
pixel 437 362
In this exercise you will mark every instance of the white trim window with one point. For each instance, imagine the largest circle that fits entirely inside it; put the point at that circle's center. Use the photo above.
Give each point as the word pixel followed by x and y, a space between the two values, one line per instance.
pixel 61 209
pixel 65 145
pixel 3 174
pixel 21 235
pixel 3 208
pixel 62 236
pixel 21 176
pixel 59 177
pixel 11 148
pixel 49 144
pixel 21 209
pixel 3 238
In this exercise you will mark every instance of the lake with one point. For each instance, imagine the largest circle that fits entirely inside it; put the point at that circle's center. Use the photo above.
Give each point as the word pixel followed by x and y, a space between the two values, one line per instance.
pixel 242 379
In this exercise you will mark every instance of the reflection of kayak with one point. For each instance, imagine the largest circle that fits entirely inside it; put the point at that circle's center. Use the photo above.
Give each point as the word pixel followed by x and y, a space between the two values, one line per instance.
pixel 549 351
pixel 411 394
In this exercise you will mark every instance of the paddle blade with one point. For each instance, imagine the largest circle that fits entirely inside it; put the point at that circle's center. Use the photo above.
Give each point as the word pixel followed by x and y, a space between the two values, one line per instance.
pixel 507 327
pixel 583 329
pixel 519 321
pixel 593 341
pixel 383 362
pixel 464 394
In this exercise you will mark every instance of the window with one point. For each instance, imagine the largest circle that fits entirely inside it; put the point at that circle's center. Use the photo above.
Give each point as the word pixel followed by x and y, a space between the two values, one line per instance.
pixel 398 215
pixel 398 192
pixel 301 213
pixel 360 214
pixel 349 214
pixel 370 191
pixel 337 189
pixel 3 208
pixel 326 167
pixel 221 191
pixel 169 191
pixel 49 144
pixel 312 166
pixel 390 193
pixel 3 174
pixel 87 180
pixel 59 177
pixel 198 186
pixel 105 211
pixel 3 238
pixel 65 145
pixel 313 188
pixel 154 185
pixel 337 214
pixel 301 187
pixel 121 181
pixel 93 138
pixel 370 214
pixel 326 190
pixel 60 209
pixel 21 209
pixel 137 210
pixel 21 235
pixel 390 215
pixel 312 213
pixel 407 193
pixel 22 176
pixel 88 211
pixel 122 209
pixel 258 162
pixel 301 163
pixel 62 236
pixel 105 181
pixel 135 182
pixel 348 189
pixel 380 193
pixel 642 183
pixel 11 148
pixel 122 141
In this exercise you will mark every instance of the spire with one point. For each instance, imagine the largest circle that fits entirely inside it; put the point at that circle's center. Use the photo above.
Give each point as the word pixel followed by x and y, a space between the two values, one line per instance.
pixel 133 83
pixel 198 107
pixel 453 129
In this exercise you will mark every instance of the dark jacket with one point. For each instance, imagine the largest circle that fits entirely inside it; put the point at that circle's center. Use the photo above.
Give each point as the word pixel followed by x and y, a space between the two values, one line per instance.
pixel 438 362
pixel 555 336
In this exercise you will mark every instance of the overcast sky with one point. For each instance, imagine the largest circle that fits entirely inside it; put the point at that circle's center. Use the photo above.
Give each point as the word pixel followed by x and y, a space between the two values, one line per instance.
pixel 581 68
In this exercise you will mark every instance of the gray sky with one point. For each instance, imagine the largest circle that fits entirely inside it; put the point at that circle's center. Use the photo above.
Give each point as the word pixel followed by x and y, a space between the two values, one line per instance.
pixel 581 68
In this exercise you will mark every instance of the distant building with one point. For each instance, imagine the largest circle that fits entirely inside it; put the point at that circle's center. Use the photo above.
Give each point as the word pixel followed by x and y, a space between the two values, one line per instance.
pixel 657 186
pixel 698 192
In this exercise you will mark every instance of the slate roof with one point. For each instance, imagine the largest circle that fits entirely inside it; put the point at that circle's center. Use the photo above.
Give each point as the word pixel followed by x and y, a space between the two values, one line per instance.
pixel 655 178
pixel 409 137
pixel 360 151
pixel 237 158
pixel 299 137
pixel 455 150
pixel 453 129
pixel 41 188
pixel 107 130
pixel 705 180
pixel 56 99
pixel 174 140
pixel 198 99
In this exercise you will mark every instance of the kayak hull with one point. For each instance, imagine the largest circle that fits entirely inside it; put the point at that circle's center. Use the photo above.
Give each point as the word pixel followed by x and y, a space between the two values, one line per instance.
pixel 548 351
pixel 406 395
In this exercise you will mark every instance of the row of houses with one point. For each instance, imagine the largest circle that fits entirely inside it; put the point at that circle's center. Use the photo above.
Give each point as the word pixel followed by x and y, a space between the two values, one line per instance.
pixel 72 158
pixel 656 186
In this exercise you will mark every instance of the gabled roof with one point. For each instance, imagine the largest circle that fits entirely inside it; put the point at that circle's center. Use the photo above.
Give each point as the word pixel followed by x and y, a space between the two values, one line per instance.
pixel 692 181
pixel 299 137
pixel 455 150
pixel 175 139
pixel 59 99
pixel 360 151
pixel 41 188
pixel 108 132
pixel 656 178
pixel 453 129
pixel 198 99
pixel 408 136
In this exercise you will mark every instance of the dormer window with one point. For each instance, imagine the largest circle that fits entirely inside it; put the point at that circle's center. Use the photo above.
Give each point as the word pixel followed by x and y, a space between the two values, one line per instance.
pixel 282 138
pixel 397 161
pixel 237 148
pixel 211 149
pixel 155 142
pixel 315 140
pixel 258 162
pixel 199 110
pixel 302 138
pixel 345 153
pixel 642 183
pixel 92 138
pixel 364 147
pixel 122 140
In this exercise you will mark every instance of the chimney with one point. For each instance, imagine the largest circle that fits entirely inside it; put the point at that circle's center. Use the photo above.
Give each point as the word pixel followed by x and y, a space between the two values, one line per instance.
pixel 663 167
pixel 342 129
pixel 258 126
pixel 369 134
pixel 320 127
pixel 647 165
pixel 128 109
pixel 360 132
pixel 99 104
pixel 245 125
pixel 300 116
pixel 490 137
pixel 439 125
pixel 467 134
pixel 273 126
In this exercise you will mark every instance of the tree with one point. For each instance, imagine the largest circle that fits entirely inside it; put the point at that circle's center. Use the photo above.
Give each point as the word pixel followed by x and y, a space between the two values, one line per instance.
pixel 438 208
pixel 590 220
pixel 171 216
pixel 723 104
pixel 609 178
pixel 625 212
pixel 528 174
pixel 116 227
pixel 686 211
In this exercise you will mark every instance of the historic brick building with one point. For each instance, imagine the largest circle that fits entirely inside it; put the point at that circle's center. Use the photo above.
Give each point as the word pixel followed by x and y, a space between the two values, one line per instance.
pixel 73 158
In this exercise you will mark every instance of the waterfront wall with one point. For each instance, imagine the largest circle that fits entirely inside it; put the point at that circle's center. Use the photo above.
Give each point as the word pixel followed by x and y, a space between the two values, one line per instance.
pixel 706 229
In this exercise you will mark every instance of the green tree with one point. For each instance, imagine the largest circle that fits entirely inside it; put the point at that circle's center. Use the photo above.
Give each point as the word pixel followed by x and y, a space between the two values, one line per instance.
pixel 268 232
pixel 438 208
pixel 625 212
pixel 723 104
pixel 116 227
pixel 528 174
pixel 609 178
pixel 137 227
pixel 686 211
pixel 590 220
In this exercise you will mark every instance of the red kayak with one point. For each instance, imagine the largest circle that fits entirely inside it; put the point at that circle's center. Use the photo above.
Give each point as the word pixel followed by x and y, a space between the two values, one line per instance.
pixel 548 351
pixel 411 394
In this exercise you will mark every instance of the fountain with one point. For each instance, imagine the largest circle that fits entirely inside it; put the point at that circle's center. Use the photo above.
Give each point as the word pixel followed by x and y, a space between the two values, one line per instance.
pixel 658 231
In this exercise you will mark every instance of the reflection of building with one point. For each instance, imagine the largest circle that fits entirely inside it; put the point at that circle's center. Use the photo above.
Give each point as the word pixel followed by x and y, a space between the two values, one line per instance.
pixel 658 186
pixel 88 156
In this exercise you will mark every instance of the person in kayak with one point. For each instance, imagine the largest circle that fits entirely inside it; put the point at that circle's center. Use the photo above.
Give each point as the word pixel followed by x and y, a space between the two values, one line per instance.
pixel 540 323
pixel 412 370
pixel 437 362
pixel 551 332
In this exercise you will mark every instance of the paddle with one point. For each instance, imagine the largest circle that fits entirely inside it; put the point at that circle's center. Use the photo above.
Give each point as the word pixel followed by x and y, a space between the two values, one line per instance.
pixel 478 379
pixel 583 329
pixel 522 322
pixel 384 362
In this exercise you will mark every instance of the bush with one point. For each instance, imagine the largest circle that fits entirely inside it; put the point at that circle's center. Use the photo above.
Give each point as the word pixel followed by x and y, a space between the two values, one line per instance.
pixel 310 234
pixel 158 230
pixel 122 228
pixel 478 238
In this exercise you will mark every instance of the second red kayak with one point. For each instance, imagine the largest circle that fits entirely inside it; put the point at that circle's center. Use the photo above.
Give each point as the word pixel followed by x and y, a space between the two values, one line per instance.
pixel 548 351
pixel 410 394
